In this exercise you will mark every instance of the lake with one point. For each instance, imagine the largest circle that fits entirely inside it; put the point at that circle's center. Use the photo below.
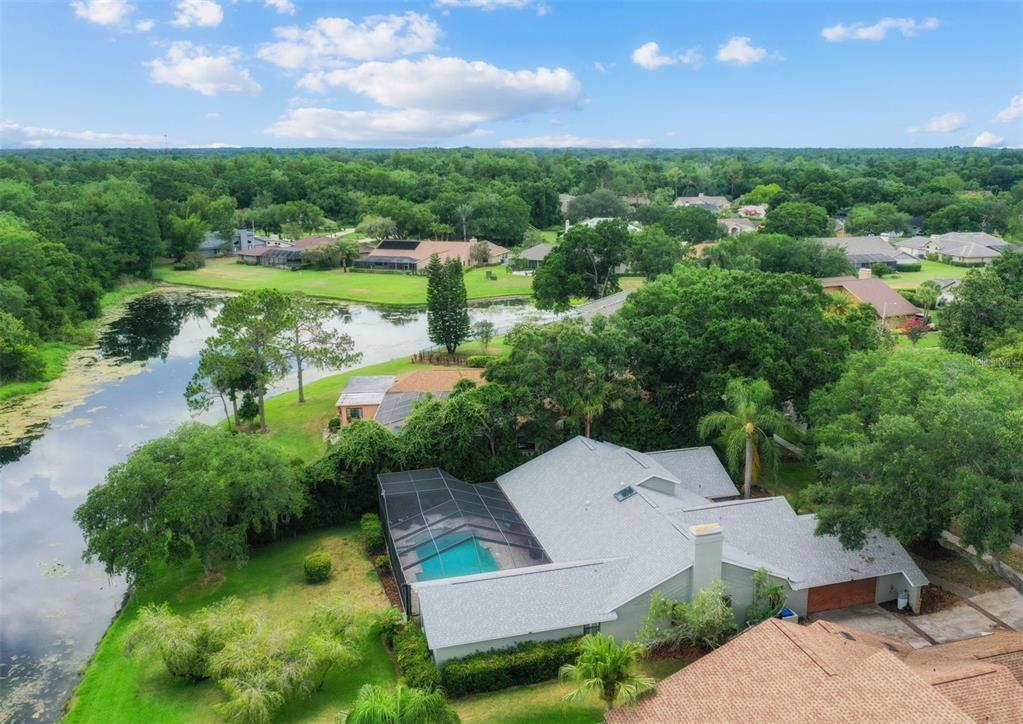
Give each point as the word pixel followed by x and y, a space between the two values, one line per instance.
pixel 55 607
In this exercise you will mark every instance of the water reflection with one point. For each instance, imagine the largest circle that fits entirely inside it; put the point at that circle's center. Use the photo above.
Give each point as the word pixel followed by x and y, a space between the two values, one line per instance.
pixel 55 608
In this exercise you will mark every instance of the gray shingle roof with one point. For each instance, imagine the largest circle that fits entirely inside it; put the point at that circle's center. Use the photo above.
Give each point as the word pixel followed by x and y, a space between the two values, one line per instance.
pixel 365 390
pixel 517 602
pixel 868 249
pixel 767 532
pixel 396 406
pixel 537 253
pixel 699 471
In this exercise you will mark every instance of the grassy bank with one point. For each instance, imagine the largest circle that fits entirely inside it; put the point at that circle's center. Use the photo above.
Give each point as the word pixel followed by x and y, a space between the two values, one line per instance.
pixel 928 270
pixel 117 689
pixel 399 289
pixel 55 354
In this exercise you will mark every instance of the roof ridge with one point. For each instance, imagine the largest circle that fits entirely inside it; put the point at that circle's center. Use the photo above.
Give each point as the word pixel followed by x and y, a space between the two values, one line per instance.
pixel 727 503
pixel 810 654
pixel 511 572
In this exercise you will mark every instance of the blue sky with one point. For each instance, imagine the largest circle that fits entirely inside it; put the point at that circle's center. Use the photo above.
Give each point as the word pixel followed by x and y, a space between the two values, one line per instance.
pixel 510 73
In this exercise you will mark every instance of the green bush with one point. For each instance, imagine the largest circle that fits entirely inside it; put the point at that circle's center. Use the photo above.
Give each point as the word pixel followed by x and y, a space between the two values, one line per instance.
pixel 334 424
pixel 414 660
pixel 317 567
pixel 372 533
pixel 910 267
pixel 382 563
pixel 477 360
pixel 387 623
pixel 190 262
pixel 527 663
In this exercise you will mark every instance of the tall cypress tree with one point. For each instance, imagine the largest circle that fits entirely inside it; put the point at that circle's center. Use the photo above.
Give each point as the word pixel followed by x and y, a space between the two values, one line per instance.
pixel 447 303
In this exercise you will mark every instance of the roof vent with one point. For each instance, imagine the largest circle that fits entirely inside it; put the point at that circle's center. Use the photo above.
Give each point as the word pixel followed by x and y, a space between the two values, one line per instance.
pixel 625 493
pixel 891 647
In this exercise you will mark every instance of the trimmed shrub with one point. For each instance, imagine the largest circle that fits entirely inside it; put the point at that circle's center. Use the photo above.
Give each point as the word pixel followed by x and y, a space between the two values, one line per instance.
pixel 387 623
pixel 910 267
pixel 317 567
pixel 334 424
pixel 372 533
pixel 190 262
pixel 414 660
pixel 382 563
pixel 527 663
pixel 477 360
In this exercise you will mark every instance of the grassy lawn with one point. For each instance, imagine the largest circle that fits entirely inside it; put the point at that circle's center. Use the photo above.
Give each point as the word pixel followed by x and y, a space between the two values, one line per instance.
pixel 55 354
pixel 793 477
pixel 929 270
pixel 546 702
pixel 958 569
pixel 398 289
pixel 117 689
pixel 932 340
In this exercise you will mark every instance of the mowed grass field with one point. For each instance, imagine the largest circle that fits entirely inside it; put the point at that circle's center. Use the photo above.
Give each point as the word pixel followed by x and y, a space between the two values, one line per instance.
pixel 371 288
pixel 929 270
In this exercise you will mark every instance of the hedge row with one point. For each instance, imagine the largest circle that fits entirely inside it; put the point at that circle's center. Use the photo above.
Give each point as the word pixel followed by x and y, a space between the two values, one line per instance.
pixel 527 663
pixel 413 656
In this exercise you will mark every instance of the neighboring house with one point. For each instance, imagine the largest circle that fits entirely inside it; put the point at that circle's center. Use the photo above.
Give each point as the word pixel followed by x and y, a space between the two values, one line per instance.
pixel 389 400
pixel 946 287
pixel 280 252
pixel 578 539
pixel 634 201
pixel 891 307
pixel 865 251
pixel 752 211
pixel 242 240
pixel 531 257
pixel 839 222
pixel 563 201
pixel 413 256
pixel 779 671
pixel 959 247
pixel 633 226
pixel 715 204
pixel 734 227
pixel 214 245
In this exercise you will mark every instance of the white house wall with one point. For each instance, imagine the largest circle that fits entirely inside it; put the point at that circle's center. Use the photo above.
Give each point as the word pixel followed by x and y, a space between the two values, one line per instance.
pixel 739 585
pixel 457 652
pixel 889 587
pixel 632 615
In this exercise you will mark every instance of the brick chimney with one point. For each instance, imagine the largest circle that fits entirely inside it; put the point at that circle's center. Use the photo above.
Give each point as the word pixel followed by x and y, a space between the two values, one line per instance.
pixel 706 541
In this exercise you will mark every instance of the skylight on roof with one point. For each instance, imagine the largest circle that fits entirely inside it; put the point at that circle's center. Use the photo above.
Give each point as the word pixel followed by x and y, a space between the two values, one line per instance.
pixel 625 493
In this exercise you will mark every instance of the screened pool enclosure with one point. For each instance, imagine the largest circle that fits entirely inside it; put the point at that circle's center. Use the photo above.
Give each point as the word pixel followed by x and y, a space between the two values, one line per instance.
pixel 439 527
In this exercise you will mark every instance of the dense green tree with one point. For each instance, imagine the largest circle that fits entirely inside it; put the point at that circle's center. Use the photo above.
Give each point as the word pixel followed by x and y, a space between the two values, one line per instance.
pixel 250 328
pixel 987 303
pixel 447 306
pixel 601 203
pixel 746 429
pixel 184 234
pixel 779 253
pixel 829 196
pixel 307 338
pixel 876 219
pixel 197 491
pixel 544 204
pixel 761 194
pixel 378 227
pixel 689 332
pixel 584 264
pixel 221 375
pixel 970 215
pixel 798 219
pixel 691 224
pixel 499 218
pixel 909 443
pixel 652 251
pixel 19 353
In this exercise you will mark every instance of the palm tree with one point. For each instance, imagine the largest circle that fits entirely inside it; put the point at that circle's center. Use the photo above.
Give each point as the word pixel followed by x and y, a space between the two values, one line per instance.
pixel 463 212
pixel 747 428
pixel 400 705
pixel 609 669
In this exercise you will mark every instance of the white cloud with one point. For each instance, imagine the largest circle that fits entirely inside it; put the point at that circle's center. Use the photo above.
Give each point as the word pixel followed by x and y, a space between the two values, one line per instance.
pixel 212 116
pixel 13 135
pixel 481 132
pixel 570 141
pixel 987 140
pixel 945 123
pixel 1013 111
pixel 284 7
pixel 211 145
pixel 739 51
pixel 879 30
pixel 484 4
pixel 649 56
pixel 329 42
pixel 201 13
pixel 144 26
pixel 427 99
pixel 206 71
pixel 103 12
pixel 543 9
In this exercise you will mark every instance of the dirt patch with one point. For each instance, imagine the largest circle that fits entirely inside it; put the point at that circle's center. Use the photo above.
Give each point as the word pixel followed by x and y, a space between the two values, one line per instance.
pixel 944 563
pixel 390 588
pixel 688 654
pixel 932 599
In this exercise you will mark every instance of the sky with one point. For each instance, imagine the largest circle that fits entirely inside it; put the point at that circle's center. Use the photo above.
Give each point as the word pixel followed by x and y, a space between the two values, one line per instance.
pixel 509 74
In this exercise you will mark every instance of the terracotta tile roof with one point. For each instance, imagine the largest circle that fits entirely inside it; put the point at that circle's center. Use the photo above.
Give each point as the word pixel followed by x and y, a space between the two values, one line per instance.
pixel 885 300
pixel 435 380
pixel 784 672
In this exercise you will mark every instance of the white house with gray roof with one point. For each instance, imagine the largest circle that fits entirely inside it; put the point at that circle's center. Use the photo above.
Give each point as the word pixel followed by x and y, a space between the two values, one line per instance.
pixel 960 247
pixel 578 539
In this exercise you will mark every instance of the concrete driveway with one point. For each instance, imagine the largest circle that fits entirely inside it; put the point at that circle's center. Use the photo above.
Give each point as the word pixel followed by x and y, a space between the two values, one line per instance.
pixel 979 614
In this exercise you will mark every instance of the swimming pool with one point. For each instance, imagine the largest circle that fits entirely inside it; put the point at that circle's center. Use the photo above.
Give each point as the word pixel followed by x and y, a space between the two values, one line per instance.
pixel 463 559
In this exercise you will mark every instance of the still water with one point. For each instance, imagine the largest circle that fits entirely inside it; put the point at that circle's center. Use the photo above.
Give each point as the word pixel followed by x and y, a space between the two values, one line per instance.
pixel 54 607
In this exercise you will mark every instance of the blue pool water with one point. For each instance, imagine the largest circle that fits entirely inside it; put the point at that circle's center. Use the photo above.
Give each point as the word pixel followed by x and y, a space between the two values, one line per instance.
pixel 463 559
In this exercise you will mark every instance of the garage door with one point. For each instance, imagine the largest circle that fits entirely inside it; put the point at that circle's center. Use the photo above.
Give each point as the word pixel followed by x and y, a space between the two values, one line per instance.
pixel 841 595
